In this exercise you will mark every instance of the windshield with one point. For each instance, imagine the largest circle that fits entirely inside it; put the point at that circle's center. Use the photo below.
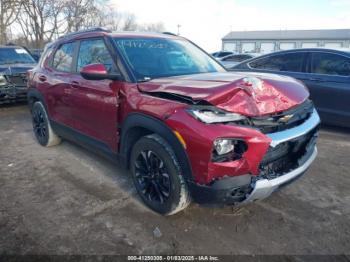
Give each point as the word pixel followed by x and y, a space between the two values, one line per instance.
pixel 15 55
pixel 159 57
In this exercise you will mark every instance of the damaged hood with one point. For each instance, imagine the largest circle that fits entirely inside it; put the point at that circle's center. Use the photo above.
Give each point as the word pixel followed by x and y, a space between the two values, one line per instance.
pixel 250 94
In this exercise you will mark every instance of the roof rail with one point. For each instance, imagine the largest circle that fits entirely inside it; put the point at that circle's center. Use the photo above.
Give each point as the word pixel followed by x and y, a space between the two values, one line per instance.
pixel 91 29
pixel 169 33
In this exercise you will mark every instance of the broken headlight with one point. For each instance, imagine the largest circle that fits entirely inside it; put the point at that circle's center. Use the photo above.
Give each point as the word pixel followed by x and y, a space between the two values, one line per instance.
pixel 3 80
pixel 212 114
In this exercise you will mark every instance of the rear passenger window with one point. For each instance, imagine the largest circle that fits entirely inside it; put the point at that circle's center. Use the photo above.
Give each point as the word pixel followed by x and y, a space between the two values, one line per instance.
pixel 330 64
pixel 292 62
pixel 94 51
pixel 63 58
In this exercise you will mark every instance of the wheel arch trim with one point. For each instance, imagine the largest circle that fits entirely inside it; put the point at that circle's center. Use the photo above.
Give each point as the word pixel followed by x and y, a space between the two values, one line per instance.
pixel 35 94
pixel 153 125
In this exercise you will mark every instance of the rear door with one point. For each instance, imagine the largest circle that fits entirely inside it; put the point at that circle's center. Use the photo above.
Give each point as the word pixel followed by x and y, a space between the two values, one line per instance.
pixel 329 85
pixel 95 101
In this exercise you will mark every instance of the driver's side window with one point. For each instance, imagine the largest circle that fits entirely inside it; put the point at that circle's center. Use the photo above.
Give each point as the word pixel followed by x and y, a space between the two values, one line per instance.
pixel 94 51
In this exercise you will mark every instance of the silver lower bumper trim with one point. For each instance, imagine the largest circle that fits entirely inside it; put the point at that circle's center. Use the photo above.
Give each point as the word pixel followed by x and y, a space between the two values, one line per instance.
pixel 263 188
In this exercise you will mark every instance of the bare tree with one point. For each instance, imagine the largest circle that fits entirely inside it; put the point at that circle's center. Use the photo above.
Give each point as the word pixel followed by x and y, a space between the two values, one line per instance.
pixel 41 20
pixel 130 23
pixel 110 19
pixel 116 21
pixel 80 13
pixel 9 10
pixel 153 27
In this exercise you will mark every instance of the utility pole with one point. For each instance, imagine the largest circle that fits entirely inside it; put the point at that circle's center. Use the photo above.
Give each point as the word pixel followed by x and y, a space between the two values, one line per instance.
pixel 178 29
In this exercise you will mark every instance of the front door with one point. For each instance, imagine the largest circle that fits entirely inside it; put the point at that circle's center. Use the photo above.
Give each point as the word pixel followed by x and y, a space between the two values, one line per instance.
pixel 95 101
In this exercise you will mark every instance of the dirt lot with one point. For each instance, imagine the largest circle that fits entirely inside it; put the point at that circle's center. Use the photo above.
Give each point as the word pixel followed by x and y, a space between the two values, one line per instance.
pixel 67 200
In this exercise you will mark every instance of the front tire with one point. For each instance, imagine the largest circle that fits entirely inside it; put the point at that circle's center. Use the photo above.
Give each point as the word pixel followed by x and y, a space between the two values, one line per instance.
pixel 157 176
pixel 42 129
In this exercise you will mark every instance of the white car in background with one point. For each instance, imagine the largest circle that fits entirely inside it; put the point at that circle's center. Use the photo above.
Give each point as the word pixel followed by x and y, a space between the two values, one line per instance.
pixel 230 61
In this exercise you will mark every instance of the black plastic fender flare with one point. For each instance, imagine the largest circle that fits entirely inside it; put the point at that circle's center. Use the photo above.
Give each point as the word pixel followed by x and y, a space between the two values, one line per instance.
pixel 34 93
pixel 154 125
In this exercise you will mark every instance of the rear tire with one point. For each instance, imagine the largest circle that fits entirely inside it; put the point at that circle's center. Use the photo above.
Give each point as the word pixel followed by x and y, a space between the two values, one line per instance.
pixel 42 129
pixel 157 176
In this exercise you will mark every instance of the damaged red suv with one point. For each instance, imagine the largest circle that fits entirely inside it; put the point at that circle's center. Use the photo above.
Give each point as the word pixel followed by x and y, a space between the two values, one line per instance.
pixel 186 128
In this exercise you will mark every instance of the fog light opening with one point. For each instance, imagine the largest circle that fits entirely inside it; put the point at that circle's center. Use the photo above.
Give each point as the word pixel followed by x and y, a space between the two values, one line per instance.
pixel 227 149
pixel 223 146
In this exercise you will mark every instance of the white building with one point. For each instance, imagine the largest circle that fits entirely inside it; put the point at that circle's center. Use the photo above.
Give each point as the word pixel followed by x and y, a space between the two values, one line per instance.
pixel 270 41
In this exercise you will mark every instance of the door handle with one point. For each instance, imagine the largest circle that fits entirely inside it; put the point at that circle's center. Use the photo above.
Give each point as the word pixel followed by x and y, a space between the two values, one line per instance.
pixel 42 78
pixel 74 84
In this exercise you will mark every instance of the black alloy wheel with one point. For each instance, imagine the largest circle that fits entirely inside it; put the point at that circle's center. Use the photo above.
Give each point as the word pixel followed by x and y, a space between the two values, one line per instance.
pixel 40 127
pixel 157 175
pixel 152 176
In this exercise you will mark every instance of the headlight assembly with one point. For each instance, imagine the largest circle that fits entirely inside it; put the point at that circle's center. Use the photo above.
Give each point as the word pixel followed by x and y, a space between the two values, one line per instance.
pixel 3 81
pixel 211 115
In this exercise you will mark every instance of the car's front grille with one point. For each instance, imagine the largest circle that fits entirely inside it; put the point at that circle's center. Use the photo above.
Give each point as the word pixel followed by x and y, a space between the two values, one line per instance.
pixel 285 120
pixel 288 155
pixel 19 80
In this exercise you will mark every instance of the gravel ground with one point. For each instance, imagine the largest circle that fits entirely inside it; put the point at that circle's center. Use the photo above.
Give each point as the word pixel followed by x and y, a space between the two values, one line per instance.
pixel 67 200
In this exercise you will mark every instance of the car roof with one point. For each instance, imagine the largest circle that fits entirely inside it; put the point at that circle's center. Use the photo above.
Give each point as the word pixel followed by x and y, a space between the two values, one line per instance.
pixel 143 34
pixel 122 34
pixel 318 49
pixel 252 55
pixel 315 49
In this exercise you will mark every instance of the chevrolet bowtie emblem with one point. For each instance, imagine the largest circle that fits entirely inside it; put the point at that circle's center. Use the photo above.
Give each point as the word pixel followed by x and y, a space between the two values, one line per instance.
pixel 285 118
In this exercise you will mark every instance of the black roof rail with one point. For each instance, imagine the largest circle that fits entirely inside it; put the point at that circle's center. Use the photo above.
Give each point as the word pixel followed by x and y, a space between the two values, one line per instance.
pixel 169 33
pixel 91 29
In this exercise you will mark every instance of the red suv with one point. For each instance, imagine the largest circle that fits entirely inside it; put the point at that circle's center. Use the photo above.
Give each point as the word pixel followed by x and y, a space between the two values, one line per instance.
pixel 186 128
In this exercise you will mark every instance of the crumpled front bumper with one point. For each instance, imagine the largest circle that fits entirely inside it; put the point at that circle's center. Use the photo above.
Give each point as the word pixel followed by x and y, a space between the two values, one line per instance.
pixel 224 191
pixel 265 187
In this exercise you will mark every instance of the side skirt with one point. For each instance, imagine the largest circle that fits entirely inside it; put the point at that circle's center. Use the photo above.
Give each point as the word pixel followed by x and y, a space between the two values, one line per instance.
pixel 88 142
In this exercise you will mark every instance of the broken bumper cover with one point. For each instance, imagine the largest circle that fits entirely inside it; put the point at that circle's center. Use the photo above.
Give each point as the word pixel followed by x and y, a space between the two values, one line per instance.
pixel 240 189
pixel 245 189
pixel 264 187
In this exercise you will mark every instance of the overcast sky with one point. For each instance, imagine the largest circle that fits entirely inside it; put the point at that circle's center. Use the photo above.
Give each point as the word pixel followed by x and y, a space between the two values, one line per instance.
pixel 206 21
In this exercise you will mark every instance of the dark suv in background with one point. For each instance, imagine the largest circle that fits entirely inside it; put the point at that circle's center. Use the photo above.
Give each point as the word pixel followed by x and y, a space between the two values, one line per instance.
pixel 325 72
pixel 15 61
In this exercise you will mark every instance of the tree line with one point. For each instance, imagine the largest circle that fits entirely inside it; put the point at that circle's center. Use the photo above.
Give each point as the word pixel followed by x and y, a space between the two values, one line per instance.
pixel 33 23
